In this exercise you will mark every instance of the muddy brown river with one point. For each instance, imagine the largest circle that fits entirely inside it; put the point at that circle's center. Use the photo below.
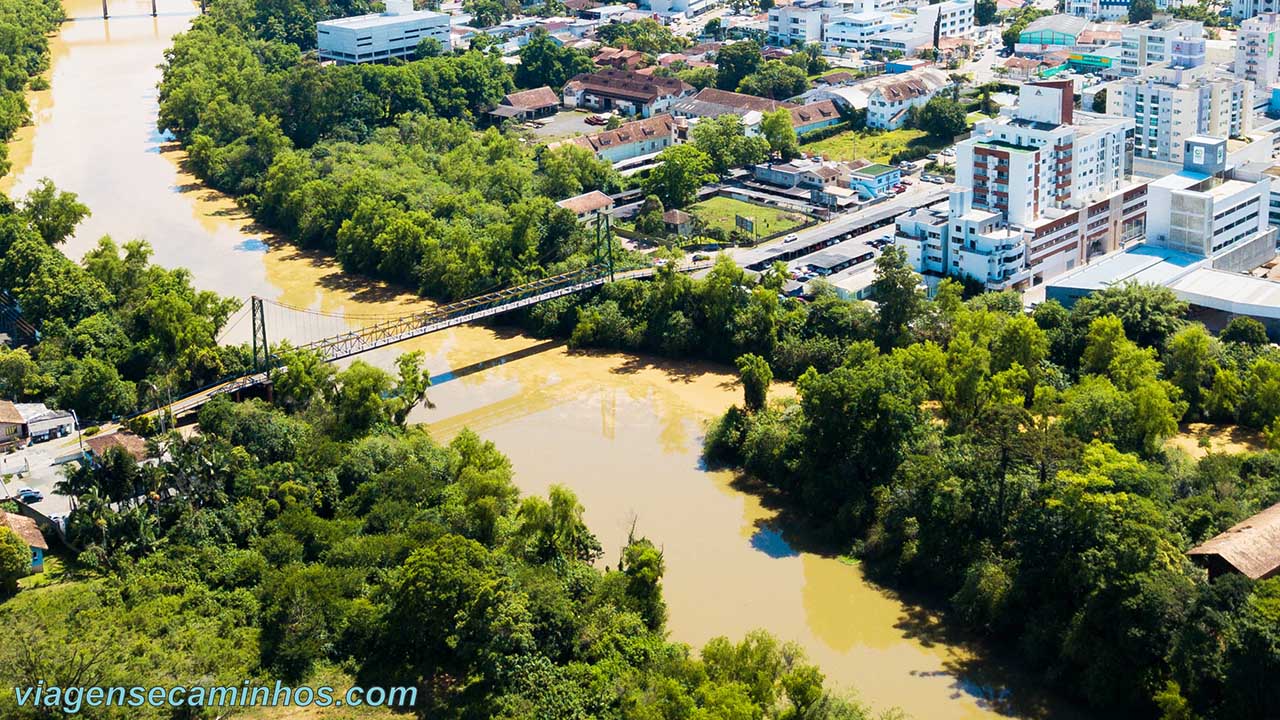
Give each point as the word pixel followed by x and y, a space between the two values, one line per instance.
pixel 623 432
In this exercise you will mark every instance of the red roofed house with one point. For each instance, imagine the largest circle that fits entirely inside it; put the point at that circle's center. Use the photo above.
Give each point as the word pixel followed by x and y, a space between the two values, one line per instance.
pixel 528 104
pixel 628 92
pixel 629 140
pixel 100 445
pixel 622 59
pixel 807 118
pixel 587 205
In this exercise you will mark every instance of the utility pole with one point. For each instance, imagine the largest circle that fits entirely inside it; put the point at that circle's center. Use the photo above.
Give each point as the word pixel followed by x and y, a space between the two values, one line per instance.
pixel 104 10
pixel 153 8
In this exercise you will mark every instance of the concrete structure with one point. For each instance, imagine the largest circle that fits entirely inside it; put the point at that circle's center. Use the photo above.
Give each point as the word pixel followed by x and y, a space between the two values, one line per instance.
pixel 907 42
pixel 857 30
pixel 799 23
pixel 1245 9
pixel 33 421
pixel 628 141
pixel 803 173
pixel 1257 58
pixel 1171 104
pixel 1203 210
pixel 12 424
pixel 1177 42
pixel 888 103
pixel 1107 9
pixel 1042 189
pixel 952 18
pixel 674 8
pixel 395 33
pixel 875 181
pixel 629 93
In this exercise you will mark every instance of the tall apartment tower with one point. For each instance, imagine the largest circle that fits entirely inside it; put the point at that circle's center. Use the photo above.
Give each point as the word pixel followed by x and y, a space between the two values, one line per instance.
pixel 1041 190
pixel 1164 40
pixel 1171 104
pixel 1257 59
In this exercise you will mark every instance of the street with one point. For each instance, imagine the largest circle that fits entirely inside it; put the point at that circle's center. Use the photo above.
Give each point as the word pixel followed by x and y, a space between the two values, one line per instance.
pixel 39 467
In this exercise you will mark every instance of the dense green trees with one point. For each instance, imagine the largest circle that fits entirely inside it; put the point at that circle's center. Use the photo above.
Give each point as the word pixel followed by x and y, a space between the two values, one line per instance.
pixel 15 560
pixel 24 29
pixel 544 62
pixel 1034 498
pixel 735 62
pixel 724 139
pixel 109 325
pixel 774 79
pixel 685 168
pixel 647 36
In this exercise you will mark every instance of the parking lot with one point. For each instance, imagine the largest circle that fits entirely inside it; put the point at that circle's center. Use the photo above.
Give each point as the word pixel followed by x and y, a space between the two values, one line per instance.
pixel 564 124
pixel 39 467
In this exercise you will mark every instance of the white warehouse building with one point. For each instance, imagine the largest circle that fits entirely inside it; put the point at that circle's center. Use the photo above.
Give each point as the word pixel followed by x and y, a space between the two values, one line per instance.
pixel 395 33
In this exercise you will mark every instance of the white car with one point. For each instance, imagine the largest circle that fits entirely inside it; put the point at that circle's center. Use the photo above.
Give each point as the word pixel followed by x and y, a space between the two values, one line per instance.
pixel 790 238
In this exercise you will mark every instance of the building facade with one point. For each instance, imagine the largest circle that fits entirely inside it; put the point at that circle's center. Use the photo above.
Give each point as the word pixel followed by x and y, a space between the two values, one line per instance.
pixel 889 103
pixel 1171 104
pixel 628 141
pixel 1177 42
pixel 1042 190
pixel 395 33
pixel 857 30
pixel 952 18
pixel 800 23
pixel 1257 58
pixel 625 91
pixel 1245 9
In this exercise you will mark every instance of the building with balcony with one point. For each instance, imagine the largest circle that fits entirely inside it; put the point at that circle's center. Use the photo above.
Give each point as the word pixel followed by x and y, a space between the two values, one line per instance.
pixel 1042 189
pixel 857 30
pixel 380 37
pixel 1177 42
pixel 1257 58
pixel 1171 104
pixel 1109 10
pixel 800 23
pixel 890 101
pixel 951 18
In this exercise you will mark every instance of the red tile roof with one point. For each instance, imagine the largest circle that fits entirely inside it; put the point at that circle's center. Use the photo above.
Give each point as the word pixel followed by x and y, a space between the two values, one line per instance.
pixel 814 113
pixel 634 131
pixel 535 99
pixel 627 85
pixel 586 202
pixel 25 528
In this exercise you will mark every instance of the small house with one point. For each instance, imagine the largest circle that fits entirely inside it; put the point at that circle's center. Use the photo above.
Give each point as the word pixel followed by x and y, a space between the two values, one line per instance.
pixel 27 530
pixel 678 222
pixel 98 446
pixel 588 205
pixel 11 423
pixel 875 180
pixel 528 104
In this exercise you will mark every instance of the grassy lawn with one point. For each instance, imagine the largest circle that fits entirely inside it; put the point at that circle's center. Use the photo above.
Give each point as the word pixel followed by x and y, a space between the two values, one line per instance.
pixel 877 147
pixel 720 212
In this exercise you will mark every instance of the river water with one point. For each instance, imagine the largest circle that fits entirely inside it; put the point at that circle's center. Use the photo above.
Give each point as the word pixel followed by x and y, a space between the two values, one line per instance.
pixel 623 432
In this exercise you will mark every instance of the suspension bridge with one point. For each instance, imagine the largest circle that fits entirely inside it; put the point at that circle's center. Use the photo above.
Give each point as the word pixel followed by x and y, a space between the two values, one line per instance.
pixel 306 329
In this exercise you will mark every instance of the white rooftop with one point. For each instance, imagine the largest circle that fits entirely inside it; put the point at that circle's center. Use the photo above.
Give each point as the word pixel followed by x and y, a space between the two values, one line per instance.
pixel 359 22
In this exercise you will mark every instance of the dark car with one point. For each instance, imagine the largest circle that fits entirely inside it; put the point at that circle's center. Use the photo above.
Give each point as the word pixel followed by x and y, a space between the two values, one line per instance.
pixel 28 496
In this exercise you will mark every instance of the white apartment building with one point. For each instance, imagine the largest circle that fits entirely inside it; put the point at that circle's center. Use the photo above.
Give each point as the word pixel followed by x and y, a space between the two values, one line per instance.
pixel 1106 10
pixel 670 8
pixel 954 18
pixel 1171 104
pixel 1177 42
pixel 799 23
pixel 380 37
pixel 1203 210
pixel 1257 57
pixel 1042 189
pixel 858 30
pixel 888 103
pixel 1245 9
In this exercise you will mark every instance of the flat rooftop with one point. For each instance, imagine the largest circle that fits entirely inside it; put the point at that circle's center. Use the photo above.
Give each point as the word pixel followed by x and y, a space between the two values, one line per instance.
pixel 836 254
pixel 372 20
pixel 1230 292
pixel 1144 264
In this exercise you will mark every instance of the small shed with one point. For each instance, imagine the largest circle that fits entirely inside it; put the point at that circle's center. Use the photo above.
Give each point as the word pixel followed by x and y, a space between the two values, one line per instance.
pixel 678 222
pixel 26 529
pixel 1250 547
pixel 587 205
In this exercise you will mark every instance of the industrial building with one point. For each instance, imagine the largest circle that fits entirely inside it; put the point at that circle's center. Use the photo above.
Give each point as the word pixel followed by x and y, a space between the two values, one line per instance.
pixel 379 37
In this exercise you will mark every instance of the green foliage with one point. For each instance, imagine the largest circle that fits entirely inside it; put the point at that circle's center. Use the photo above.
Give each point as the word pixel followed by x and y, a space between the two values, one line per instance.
pixel 724 139
pixel 647 36
pixel 1020 19
pixel 942 117
pixel 756 376
pixel 15 560
pixel 543 62
pixel 774 79
pixel 51 213
pixel 735 62
pixel 1140 10
pixel 780 133
pixel 1244 330
pixel 684 169
pixel 984 12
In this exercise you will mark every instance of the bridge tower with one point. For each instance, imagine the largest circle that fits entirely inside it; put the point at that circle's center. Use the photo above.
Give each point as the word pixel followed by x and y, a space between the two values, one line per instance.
pixel 261 350
pixel 604 242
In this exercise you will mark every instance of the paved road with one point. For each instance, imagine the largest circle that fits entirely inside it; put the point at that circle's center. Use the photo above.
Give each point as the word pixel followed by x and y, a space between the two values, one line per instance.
pixel 37 466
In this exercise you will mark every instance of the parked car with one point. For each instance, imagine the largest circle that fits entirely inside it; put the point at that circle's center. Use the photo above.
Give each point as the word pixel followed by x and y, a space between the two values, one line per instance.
pixel 28 495
pixel 790 238
pixel 948 152
pixel 932 156
pixel 906 181
pixel 700 257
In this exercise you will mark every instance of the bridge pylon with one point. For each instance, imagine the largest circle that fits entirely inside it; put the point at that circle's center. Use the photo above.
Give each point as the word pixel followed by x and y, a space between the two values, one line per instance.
pixel 604 243
pixel 261 350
